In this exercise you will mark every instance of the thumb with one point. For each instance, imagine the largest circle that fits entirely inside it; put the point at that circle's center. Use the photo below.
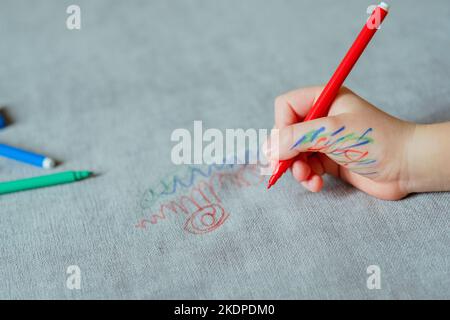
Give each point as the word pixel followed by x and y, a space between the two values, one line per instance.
pixel 288 142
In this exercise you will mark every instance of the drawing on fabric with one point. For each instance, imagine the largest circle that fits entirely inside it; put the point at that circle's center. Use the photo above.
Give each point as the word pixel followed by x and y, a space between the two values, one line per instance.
pixel 194 194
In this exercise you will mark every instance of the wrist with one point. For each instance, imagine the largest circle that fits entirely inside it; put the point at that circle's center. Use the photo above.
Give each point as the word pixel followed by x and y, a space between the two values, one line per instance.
pixel 428 156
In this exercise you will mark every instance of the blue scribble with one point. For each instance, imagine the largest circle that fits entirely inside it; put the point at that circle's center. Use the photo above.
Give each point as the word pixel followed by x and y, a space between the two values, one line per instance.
pixel 306 139
pixel 358 144
pixel 338 131
pixel 365 133
pixel 366 162
pixel 316 134
pixel 299 142
pixel 197 173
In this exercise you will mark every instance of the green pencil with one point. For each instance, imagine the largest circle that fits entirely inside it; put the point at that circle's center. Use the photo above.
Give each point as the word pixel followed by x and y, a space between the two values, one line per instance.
pixel 43 181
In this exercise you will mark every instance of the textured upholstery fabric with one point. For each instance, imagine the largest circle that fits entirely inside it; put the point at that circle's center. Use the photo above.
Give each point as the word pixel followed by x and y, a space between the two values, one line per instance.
pixel 107 98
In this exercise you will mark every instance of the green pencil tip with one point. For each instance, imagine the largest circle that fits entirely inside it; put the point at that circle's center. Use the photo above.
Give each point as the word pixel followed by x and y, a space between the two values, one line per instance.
pixel 83 174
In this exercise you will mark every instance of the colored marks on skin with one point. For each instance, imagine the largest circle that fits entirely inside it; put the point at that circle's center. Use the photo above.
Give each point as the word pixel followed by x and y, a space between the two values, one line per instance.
pixel 309 137
pixel 347 149
pixel 338 131
pixel 366 133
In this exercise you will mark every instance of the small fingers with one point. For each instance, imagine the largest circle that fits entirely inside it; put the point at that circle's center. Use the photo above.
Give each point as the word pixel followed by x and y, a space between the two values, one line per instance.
pixel 301 170
pixel 308 171
pixel 316 165
pixel 314 183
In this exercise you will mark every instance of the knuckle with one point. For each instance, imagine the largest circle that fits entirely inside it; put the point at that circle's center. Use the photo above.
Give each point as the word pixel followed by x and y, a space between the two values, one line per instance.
pixel 345 90
pixel 334 121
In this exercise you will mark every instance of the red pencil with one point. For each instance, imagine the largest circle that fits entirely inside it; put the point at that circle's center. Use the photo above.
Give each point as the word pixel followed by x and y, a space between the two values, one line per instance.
pixel 329 93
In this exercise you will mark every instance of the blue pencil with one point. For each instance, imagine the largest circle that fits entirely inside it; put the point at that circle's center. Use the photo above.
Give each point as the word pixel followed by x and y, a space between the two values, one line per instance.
pixel 26 156
pixel 2 121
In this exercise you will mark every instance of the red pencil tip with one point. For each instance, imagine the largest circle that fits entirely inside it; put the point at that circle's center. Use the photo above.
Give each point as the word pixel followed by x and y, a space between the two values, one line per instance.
pixel 272 181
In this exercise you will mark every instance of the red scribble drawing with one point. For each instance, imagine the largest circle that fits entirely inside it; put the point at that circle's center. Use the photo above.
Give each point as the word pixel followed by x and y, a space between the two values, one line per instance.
pixel 206 219
pixel 202 205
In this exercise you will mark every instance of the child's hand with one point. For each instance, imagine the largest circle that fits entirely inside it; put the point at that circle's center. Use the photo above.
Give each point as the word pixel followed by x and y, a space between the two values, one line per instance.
pixel 356 142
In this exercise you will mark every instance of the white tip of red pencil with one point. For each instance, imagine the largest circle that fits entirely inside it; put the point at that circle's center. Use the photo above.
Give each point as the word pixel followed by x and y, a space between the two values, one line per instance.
pixel 384 5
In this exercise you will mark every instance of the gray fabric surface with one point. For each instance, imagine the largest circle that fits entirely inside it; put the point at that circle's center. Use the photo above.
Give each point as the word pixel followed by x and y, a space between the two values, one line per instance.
pixel 107 98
